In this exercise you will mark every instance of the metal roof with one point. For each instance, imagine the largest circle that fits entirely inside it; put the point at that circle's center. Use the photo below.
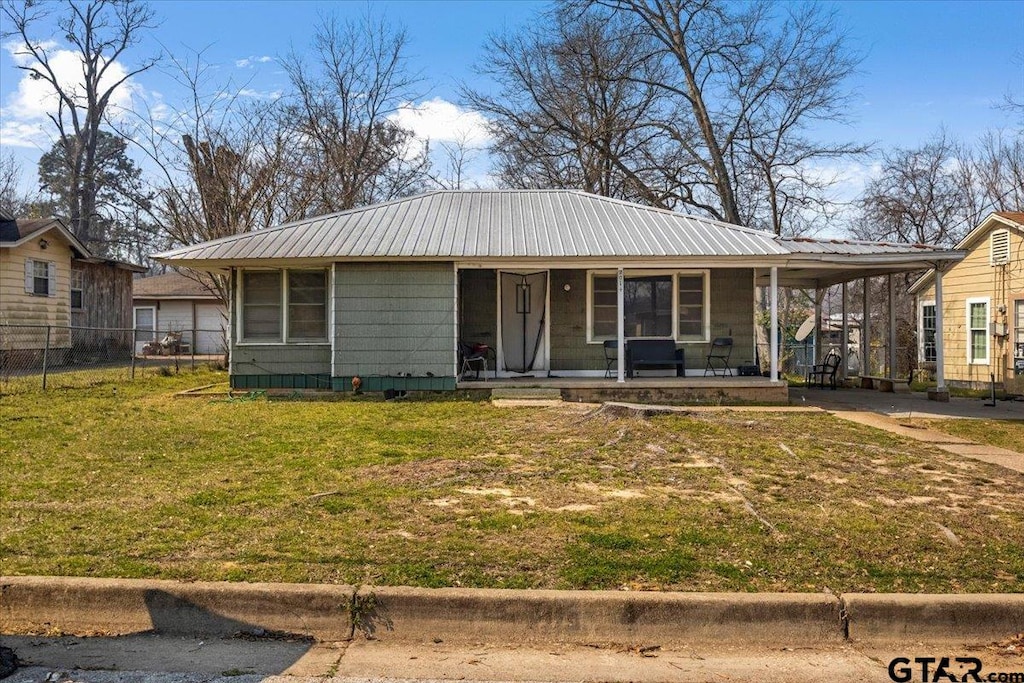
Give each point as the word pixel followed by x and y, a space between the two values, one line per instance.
pixel 455 225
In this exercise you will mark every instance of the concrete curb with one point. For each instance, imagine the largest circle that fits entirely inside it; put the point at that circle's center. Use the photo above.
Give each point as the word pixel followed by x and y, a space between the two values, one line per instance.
pixel 119 606
pixel 32 604
pixel 547 616
pixel 979 618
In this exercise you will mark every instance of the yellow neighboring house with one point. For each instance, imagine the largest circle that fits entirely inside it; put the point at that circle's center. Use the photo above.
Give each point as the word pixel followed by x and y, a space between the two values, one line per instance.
pixel 48 279
pixel 983 308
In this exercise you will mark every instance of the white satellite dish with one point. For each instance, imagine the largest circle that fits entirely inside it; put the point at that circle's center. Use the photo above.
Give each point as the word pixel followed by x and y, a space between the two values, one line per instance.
pixel 805 329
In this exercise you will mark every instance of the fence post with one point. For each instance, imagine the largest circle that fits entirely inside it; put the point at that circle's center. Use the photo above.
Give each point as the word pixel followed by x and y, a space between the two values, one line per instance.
pixel 135 333
pixel 46 353
pixel 193 348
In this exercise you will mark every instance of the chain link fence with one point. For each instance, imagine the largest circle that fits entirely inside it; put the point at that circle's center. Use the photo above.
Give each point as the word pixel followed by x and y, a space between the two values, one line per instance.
pixel 52 356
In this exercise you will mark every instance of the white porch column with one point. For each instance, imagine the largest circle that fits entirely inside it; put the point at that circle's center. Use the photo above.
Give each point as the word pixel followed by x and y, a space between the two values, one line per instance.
pixel 865 332
pixel 940 354
pixel 845 350
pixel 774 343
pixel 819 296
pixel 620 309
pixel 892 328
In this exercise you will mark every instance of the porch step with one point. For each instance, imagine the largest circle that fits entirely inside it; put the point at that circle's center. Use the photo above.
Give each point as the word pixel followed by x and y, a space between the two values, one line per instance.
pixel 527 393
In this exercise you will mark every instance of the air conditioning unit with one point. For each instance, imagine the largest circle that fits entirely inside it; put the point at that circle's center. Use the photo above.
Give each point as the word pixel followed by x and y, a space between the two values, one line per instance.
pixel 999 254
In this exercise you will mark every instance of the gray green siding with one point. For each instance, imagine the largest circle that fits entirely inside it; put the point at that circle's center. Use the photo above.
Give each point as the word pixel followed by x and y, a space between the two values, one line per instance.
pixel 569 347
pixel 394 318
pixel 248 359
pixel 732 314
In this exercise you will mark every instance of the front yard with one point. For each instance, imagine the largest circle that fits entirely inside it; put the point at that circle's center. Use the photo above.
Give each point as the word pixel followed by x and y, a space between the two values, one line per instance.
pixel 135 483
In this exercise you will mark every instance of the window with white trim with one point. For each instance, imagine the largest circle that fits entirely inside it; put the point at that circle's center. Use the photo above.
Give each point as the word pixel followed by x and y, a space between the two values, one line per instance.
pixel 77 289
pixel 284 305
pixel 928 354
pixel 40 277
pixel 977 331
pixel 658 305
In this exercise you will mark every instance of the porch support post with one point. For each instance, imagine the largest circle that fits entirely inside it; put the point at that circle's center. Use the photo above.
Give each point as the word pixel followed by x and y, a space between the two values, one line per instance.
pixel 865 332
pixel 774 343
pixel 940 353
pixel 892 327
pixel 819 295
pixel 845 350
pixel 620 307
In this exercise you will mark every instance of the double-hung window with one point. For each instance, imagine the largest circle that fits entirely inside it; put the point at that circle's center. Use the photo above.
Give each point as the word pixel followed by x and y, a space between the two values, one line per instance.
pixel 977 331
pixel 928 353
pixel 77 289
pixel 659 305
pixel 284 305
pixel 40 278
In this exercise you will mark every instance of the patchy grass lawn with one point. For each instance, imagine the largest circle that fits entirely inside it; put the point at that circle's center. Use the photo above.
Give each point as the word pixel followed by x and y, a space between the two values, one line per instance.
pixel 1000 433
pixel 458 492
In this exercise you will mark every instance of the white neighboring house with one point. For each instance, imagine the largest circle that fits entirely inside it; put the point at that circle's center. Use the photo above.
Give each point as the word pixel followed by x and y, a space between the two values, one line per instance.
pixel 173 302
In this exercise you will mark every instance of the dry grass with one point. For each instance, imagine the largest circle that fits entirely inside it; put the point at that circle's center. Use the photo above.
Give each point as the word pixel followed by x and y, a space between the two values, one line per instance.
pixel 458 492
pixel 1000 433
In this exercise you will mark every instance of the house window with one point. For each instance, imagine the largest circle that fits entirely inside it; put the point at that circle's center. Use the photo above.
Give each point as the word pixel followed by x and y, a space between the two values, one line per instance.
pixel 77 290
pixel 977 331
pixel 928 354
pixel 288 305
pixel 307 304
pixel 40 277
pixel 655 305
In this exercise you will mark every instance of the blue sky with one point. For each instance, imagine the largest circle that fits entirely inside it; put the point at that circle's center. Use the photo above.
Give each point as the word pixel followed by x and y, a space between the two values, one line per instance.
pixel 927 64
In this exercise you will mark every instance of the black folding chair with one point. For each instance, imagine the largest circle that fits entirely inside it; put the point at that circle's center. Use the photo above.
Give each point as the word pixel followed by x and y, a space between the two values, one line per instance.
pixel 611 356
pixel 721 350
pixel 473 354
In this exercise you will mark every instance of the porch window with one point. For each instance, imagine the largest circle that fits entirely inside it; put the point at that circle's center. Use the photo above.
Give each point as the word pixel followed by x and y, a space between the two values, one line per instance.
pixel 928 333
pixel 77 289
pixel 261 305
pixel 661 305
pixel 284 305
pixel 307 304
pixel 977 331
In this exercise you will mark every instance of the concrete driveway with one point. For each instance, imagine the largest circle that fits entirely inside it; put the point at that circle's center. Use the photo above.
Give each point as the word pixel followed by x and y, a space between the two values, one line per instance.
pixel 905 404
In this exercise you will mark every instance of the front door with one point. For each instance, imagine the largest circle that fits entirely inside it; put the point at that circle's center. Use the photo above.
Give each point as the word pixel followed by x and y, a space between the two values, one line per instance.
pixel 523 322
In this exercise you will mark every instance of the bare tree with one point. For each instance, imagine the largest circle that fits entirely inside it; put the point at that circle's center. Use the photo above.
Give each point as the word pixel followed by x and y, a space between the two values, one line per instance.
pixel 100 32
pixel 457 154
pixel 702 104
pixel 571 110
pixel 224 163
pixel 353 150
pixel 13 200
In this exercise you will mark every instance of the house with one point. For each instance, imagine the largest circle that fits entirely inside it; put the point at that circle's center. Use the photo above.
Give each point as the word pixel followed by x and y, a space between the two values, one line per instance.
pixel 51 285
pixel 542 277
pixel 174 302
pixel 982 309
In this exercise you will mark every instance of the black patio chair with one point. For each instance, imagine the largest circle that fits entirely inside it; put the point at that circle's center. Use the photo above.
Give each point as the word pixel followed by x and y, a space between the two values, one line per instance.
pixel 825 370
pixel 611 356
pixel 721 351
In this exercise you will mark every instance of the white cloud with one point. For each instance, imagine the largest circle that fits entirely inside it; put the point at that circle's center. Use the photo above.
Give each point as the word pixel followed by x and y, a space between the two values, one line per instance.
pixel 250 61
pixel 439 120
pixel 260 94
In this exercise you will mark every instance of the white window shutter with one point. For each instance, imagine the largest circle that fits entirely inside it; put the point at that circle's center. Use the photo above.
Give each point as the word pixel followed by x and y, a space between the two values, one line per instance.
pixel 51 278
pixel 29 273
